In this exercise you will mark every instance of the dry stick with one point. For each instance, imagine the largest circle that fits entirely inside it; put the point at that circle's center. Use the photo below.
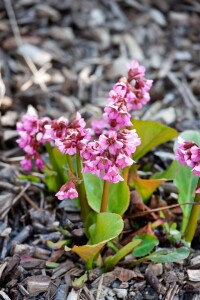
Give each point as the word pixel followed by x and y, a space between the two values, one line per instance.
pixel 21 193
pixel 19 41
pixel 143 213
pixel 99 287
pixel 30 201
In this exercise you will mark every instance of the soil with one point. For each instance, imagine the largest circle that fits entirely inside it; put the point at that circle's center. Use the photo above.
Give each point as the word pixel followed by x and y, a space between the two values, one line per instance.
pixel 60 57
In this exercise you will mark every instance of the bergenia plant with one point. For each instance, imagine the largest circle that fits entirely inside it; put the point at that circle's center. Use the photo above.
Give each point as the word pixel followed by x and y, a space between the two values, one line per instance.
pixel 188 154
pixel 97 165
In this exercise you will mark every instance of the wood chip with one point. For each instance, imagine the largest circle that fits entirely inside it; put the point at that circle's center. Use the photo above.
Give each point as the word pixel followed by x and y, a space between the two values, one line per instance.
pixel 193 275
pixel 37 284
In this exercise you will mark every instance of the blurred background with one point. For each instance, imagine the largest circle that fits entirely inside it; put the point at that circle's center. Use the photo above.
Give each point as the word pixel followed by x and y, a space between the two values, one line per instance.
pixel 64 56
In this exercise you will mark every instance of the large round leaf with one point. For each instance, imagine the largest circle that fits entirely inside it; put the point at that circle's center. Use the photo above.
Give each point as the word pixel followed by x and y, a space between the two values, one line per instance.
pixel 152 134
pixel 107 227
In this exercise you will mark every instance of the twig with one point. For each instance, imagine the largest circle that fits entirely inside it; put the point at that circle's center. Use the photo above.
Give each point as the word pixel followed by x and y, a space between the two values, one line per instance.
pixel 21 193
pixel 99 288
pixel 28 199
pixel 143 213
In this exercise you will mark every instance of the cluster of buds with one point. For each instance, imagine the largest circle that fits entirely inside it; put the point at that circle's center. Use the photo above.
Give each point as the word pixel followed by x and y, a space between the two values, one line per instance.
pixel 67 191
pixel 69 137
pixel 128 94
pixel 188 154
pixel 32 134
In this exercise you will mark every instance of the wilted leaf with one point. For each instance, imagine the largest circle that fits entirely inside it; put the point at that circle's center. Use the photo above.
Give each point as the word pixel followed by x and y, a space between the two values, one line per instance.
pixel 146 187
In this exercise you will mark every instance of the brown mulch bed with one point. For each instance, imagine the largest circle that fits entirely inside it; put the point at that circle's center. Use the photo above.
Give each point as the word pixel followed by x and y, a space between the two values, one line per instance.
pixel 62 57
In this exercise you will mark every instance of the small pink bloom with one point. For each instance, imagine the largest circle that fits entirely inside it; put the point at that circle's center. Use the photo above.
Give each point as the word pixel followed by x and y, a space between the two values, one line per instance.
pixel 78 122
pixel 67 191
pixel 26 163
pixel 30 124
pixel 112 175
pixel 135 71
pixel 197 191
pixel 196 170
pixel 123 161
pixel 39 162
pixel 24 139
pixel 109 141
pixel 121 89
pixel 98 126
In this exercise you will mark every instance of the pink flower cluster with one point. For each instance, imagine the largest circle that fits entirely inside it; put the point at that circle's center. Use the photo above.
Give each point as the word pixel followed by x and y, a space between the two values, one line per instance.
pixel 128 94
pixel 67 191
pixel 111 152
pixel 188 154
pixel 68 137
pixel 32 134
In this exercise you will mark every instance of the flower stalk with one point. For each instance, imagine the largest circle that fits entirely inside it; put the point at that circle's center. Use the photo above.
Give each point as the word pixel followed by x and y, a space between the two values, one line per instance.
pixel 85 209
pixel 70 164
pixel 126 173
pixel 104 200
pixel 194 215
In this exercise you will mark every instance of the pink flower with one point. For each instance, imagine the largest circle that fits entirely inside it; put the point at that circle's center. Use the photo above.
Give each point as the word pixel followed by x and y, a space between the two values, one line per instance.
pixel 111 152
pixel 75 139
pixel 98 126
pixel 29 124
pixel 26 163
pixel 197 191
pixel 31 135
pixel 57 129
pixel 109 141
pixel 196 170
pixel 188 154
pixel 67 191
pixel 78 122
pixel 135 71
pixel 39 162
pixel 117 115
pixel 112 175
pixel 123 160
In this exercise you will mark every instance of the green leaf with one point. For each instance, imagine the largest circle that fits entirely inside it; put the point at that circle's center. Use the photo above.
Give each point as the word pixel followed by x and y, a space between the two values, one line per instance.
pixel 107 227
pixel 111 261
pixel 146 187
pixel 152 134
pixel 186 183
pixel 168 174
pixel 52 265
pixel 78 283
pixel 58 245
pixel 100 233
pixel 30 178
pixel 164 256
pixel 118 199
pixel 148 242
pixel 56 176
